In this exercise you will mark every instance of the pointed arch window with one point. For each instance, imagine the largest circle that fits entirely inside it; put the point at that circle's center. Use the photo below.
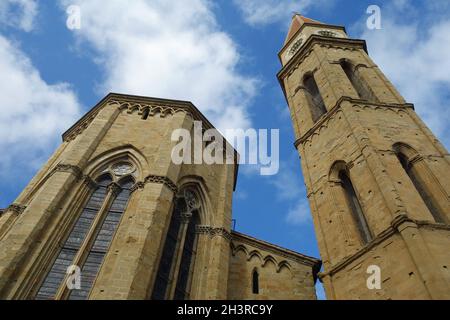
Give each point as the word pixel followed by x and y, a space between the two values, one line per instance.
pixel 317 106
pixel 422 190
pixel 355 207
pixel 145 114
pixel 360 87
pixel 89 240
pixel 255 282
pixel 177 261
pixel 103 239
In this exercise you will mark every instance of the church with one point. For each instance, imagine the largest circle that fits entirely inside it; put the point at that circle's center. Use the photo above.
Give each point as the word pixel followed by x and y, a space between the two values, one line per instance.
pixel 110 216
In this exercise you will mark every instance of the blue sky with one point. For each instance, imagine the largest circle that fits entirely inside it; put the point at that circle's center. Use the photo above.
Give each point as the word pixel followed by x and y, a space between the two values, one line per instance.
pixel 221 55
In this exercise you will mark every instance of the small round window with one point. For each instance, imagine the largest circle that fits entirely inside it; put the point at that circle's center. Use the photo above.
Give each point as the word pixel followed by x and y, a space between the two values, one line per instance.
pixel 327 33
pixel 297 44
pixel 122 169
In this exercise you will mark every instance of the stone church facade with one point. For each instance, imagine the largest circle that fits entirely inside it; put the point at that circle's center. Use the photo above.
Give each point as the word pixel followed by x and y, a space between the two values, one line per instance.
pixel 111 202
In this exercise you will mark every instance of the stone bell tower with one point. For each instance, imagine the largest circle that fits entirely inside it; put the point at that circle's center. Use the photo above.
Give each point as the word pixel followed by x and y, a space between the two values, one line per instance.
pixel 378 180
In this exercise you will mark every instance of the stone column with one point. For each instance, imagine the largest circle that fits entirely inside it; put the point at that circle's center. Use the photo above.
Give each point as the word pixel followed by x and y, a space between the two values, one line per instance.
pixel 218 266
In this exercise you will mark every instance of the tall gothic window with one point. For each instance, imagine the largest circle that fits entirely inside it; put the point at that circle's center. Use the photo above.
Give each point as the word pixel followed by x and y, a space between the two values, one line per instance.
pixel 421 189
pixel 360 87
pixel 103 240
pixel 178 257
pixel 316 102
pixel 355 207
pixel 255 282
pixel 89 239
pixel 187 259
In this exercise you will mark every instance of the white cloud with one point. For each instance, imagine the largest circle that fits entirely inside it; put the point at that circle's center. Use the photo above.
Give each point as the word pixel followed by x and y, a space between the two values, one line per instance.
pixel 33 113
pixel 172 49
pixel 289 189
pixel 18 13
pixel 415 58
pixel 262 12
pixel 299 214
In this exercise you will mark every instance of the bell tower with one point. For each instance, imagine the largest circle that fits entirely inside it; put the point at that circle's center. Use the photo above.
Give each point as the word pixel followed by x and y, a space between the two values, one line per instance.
pixel 378 180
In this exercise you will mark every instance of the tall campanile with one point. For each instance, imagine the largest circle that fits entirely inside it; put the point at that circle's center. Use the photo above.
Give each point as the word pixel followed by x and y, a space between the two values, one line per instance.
pixel 378 180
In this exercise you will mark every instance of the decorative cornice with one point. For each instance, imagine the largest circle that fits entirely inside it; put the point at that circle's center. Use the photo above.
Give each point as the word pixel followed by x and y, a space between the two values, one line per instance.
pixel 138 186
pixel 396 223
pixel 132 103
pixel 72 133
pixel 114 188
pixel 294 36
pixel 16 208
pixel 76 171
pixel 213 232
pixel 162 180
pixel 323 121
pixel 286 253
pixel 298 58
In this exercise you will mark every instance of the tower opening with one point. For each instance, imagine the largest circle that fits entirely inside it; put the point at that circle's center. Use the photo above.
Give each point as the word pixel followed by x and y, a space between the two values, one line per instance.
pixel 317 105
pixel 255 282
pixel 362 90
pixel 355 207
pixel 421 189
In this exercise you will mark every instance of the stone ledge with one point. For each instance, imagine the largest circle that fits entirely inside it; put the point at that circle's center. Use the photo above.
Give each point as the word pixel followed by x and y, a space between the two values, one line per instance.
pixel 263 245
pixel 327 117
pixel 396 223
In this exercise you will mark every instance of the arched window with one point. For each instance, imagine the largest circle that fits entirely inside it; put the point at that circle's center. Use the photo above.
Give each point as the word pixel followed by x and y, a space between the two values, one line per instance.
pixel 187 260
pixel 103 240
pixel 355 207
pixel 91 236
pixel 360 87
pixel 421 189
pixel 317 105
pixel 65 258
pixel 179 252
pixel 255 282
pixel 145 114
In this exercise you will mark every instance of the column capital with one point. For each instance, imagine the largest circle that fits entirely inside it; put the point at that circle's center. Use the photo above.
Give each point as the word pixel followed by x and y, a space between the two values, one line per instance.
pixel 138 186
pixel 75 170
pixel 16 208
pixel 114 188
pixel 89 182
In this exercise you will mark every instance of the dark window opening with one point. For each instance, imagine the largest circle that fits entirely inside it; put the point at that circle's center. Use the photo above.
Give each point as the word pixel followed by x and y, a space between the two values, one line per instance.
pixel 360 87
pixel 317 105
pixel 77 236
pixel 420 188
pixel 255 282
pixel 145 114
pixel 102 241
pixel 166 263
pixel 187 260
pixel 355 208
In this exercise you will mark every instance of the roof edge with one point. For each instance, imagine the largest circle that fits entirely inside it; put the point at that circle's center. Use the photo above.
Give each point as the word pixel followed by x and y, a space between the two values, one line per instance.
pixel 310 260
pixel 143 99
